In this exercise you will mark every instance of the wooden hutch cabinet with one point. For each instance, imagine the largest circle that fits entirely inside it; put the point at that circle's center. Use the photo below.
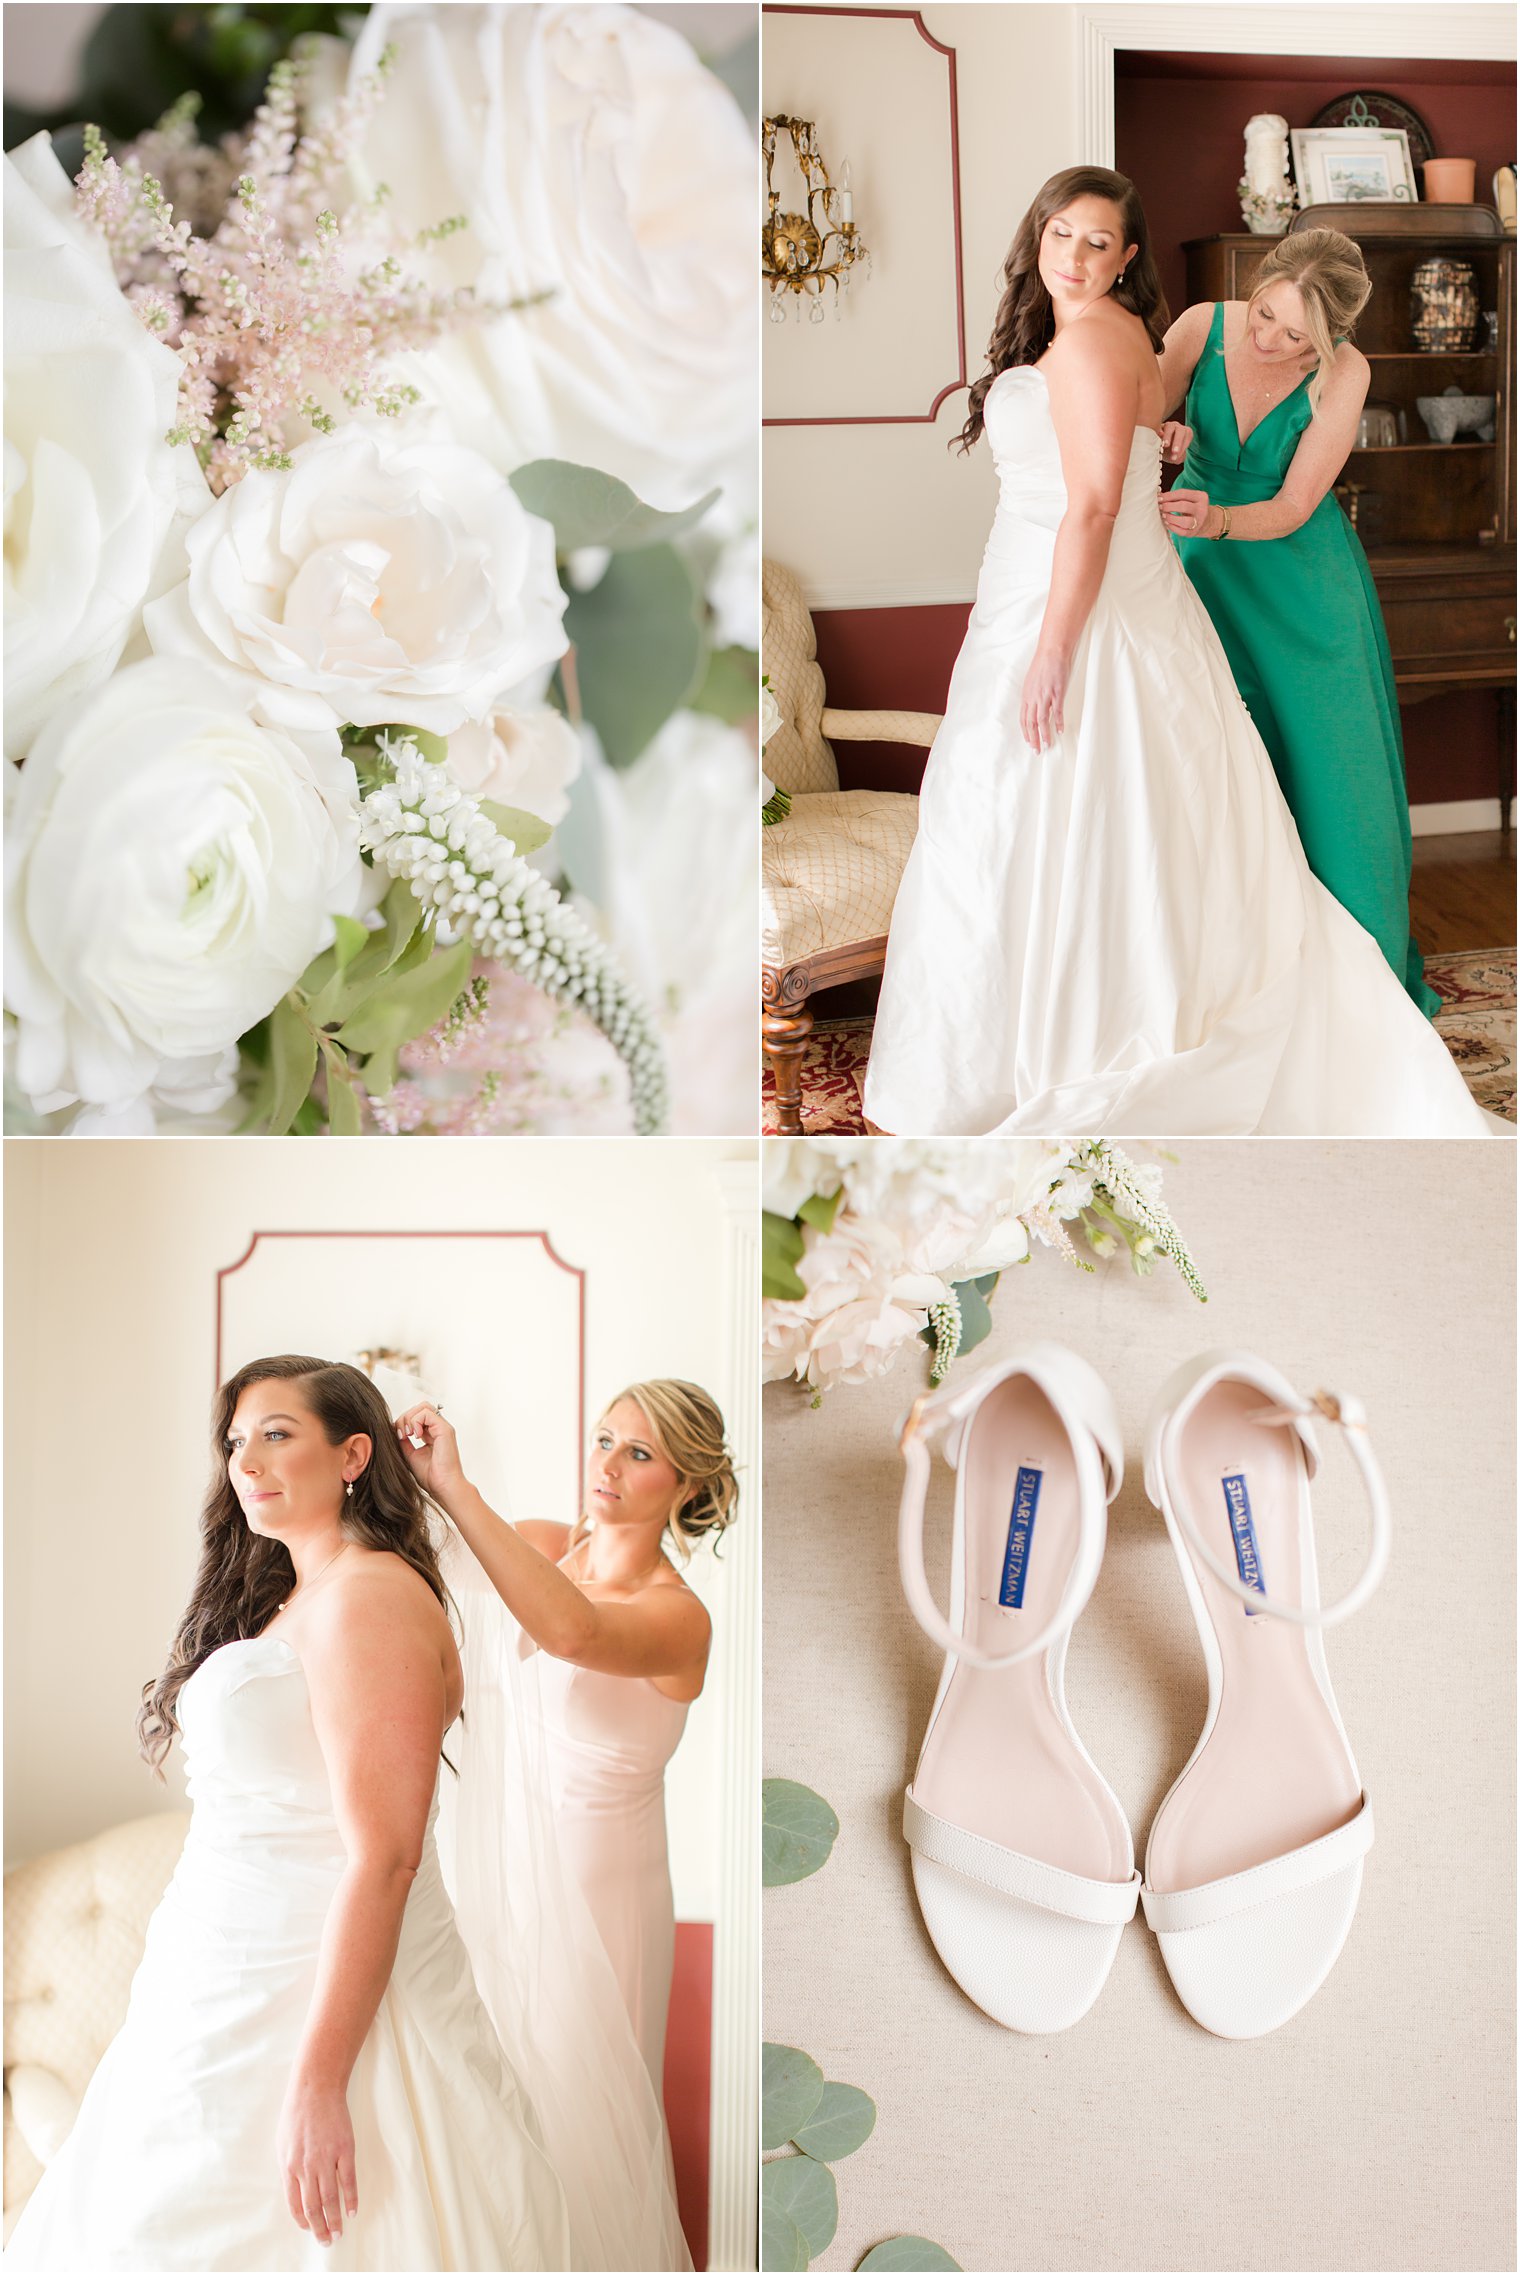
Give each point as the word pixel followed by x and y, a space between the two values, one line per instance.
pixel 1437 519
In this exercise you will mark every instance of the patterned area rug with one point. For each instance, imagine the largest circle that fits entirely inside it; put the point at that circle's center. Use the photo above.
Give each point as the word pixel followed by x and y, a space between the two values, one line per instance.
pixel 1476 1022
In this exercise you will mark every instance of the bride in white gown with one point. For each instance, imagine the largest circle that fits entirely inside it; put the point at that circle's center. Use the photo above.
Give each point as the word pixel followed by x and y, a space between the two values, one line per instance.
pixel 308 2074
pixel 1107 924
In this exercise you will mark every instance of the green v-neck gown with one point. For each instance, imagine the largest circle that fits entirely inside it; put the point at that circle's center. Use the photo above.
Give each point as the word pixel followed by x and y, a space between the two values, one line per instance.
pixel 1299 620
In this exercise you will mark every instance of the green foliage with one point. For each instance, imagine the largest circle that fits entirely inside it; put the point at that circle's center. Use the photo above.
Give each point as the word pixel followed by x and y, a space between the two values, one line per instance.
pixel 805 2191
pixel 730 688
pixel 591 508
pixel 526 831
pixel 782 2243
pixel 820 1209
pixel 907 2253
pixel 406 1005
pixel 791 2087
pixel 780 1251
pixel 139 60
pixel 797 1831
pixel 640 647
pixel 976 1317
pixel 843 2122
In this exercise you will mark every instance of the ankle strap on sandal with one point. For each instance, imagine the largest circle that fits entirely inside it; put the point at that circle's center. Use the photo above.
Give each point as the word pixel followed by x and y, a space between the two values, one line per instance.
pixel 1099 1463
pixel 1290 1410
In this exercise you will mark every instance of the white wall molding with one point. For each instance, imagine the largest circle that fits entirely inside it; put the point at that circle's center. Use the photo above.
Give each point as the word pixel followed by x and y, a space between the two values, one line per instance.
pixel 1471 33
pixel 736 1974
pixel 1445 817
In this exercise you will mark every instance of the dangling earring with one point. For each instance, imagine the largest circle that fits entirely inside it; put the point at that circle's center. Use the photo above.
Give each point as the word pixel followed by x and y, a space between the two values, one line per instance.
pixel 350 1492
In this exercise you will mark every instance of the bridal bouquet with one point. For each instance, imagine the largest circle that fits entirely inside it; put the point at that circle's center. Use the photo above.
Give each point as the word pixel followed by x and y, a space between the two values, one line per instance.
pixel 382 593
pixel 869 1242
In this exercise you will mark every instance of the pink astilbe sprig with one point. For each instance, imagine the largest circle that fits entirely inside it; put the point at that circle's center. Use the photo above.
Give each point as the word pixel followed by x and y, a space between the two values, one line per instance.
pixel 283 310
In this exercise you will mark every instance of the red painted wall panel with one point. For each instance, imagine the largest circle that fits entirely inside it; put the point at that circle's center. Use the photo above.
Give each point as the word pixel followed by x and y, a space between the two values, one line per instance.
pixel 688 2078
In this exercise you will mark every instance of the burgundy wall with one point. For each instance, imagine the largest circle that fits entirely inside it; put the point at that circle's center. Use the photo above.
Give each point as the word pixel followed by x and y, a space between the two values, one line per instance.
pixel 902 657
pixel 1181 137
pixel 688 2078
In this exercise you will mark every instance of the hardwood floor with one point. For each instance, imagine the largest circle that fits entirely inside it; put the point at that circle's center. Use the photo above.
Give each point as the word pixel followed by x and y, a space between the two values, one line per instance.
pixel 1463 892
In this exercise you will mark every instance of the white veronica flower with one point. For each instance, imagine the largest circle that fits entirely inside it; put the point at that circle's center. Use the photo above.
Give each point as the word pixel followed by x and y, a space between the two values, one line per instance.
pixel 92 489
pixel 386 579
pixel 596 158
pixel 171 868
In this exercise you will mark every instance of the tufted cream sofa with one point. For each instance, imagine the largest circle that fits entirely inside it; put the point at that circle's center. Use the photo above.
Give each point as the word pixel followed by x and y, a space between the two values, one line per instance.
pixel 75 1923
pixel 831 868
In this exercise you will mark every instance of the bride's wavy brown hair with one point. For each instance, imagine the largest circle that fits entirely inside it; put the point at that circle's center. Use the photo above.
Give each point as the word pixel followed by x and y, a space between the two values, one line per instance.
pixel 1025 323
pixel 242 1578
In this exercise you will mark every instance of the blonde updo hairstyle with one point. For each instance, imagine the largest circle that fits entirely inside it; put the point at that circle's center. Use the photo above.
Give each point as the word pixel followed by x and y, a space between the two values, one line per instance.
pixel 688 1429
pixel 1326 270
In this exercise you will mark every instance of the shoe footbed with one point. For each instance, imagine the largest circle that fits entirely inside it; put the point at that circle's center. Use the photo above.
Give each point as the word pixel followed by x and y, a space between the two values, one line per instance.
pixel 998 1759
pixel 1275 1772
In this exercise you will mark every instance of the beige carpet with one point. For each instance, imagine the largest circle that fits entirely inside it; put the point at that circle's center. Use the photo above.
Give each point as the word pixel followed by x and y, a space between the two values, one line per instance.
pixel 1477 1022
pixel 1375 2131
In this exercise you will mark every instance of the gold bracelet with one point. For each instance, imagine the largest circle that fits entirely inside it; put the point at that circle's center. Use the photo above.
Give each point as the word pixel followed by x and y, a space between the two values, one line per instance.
pixel 1225 512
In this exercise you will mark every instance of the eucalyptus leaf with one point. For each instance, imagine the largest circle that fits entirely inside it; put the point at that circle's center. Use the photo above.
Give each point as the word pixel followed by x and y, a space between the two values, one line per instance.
pixel 433 747
pixel 640 647
pixel 591 508
pixel 791 2087
pixel 805 2190
pixel 843 2121
pixel 976 1318
pixel 780 1250
pixel 908 2253
pixel 292 1063
pixel 730 686
pixel 797 1831
pixel 782 2243
pixel 526 831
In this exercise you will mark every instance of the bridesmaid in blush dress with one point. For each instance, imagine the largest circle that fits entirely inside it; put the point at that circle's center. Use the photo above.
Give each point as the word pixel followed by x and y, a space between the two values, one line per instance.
pixel 625 1643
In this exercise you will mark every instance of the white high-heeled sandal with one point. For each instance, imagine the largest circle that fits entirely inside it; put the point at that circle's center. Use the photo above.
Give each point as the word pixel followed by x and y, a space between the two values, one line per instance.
pixel 1023 1861
pixel 1253 1867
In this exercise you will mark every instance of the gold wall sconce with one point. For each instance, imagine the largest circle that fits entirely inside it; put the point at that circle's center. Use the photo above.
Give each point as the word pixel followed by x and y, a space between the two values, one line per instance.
pixel 801 252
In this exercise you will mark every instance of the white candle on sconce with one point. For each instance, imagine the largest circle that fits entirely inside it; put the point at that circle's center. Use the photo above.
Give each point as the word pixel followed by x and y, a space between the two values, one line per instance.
pixel 846 199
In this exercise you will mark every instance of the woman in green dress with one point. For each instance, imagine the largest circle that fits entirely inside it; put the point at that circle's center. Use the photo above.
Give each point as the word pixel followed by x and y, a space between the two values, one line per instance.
pixel 1274 393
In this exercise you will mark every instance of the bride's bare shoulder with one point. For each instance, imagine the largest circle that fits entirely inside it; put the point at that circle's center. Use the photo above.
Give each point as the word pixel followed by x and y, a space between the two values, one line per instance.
pixel 1106 343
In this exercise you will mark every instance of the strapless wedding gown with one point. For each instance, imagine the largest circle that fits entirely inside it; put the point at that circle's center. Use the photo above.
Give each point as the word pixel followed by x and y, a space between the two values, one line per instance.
pixel 609 1738
pixel 1121 935
pixel 171 2163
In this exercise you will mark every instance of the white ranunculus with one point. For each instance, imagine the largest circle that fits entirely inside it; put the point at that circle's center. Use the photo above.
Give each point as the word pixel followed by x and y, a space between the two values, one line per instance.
pixel 596 158
pixel 171 868
pixel 388 578
pixel 524 756
pixel 770 716
pixel 92 489
pixel 862 1304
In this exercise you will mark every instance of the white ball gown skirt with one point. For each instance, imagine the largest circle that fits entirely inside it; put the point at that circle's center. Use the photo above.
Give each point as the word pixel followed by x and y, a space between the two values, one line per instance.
pixel 1121 935
pixel 171 2162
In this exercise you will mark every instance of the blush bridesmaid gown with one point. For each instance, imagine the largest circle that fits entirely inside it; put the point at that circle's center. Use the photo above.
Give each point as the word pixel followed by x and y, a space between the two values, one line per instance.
pixel 609 1738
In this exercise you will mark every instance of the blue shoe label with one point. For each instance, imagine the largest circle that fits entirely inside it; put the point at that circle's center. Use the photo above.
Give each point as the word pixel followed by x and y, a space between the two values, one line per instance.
pixel 1237 1503
pixel 1026 1500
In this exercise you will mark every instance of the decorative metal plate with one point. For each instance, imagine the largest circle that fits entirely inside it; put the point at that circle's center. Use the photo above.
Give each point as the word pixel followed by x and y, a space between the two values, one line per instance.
pixel 1369 108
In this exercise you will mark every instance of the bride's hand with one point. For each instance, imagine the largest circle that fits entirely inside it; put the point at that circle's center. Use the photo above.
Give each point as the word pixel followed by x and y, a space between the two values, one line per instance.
pixel 1186 512
pixel 431 1450
pixel 1042 706
pixel 315 2146
pixel 1175 439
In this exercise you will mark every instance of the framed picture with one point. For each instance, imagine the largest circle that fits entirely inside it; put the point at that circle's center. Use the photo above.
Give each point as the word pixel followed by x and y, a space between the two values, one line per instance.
pixel 1353 165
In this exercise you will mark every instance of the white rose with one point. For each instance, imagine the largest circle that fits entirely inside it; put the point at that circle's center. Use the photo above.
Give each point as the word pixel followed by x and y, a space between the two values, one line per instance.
pixel 597 158
pixel 386 579
pixel 770 715
pixel 524 757
pixel 91 486
pixel 862 1302
pixel 171 869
